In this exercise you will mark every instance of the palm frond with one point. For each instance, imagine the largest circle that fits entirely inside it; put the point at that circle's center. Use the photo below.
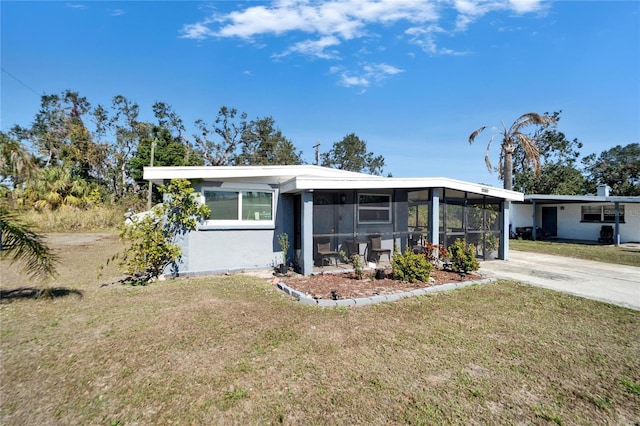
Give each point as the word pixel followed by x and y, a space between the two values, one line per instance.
pixel 531 151
pixel 473 135
pixel 486 155
pixel 530 119
pixel 20 243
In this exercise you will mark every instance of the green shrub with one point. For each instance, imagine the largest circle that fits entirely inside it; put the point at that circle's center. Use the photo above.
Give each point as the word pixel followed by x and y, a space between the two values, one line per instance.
pixel 410 266
pixel 463 257
pixel 154 236
pixel 356 261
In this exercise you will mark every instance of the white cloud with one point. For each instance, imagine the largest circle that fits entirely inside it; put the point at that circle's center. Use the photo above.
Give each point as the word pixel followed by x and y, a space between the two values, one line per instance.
pixel 425 38
pixel 368 74
pixel 342 20
pixel 76 6
pixel 333 21
pixel 196 31
pixel 526 6
pixel 351 80
pixel 470 11
pixel 322 28
pixel 116 12
pixel 315 48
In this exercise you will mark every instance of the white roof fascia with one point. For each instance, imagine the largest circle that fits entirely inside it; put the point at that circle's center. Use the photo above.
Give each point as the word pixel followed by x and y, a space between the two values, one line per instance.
pixel 273 174
pixel 581 198
pixel 298 184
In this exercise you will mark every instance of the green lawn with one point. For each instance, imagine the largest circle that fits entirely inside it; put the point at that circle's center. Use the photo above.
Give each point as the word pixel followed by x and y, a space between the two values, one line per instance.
pixel 609 254
pixel 235 350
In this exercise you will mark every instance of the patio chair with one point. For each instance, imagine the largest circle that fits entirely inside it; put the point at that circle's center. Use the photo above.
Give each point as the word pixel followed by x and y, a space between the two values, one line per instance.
pixel 323 251
pixel 606 234
pixel 352 247
pixel 375 242
pixel 415 241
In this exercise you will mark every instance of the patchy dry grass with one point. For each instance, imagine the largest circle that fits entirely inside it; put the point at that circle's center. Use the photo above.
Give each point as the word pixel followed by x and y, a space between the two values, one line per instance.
pixel 599 253
pixel 235 350
pixel 65 219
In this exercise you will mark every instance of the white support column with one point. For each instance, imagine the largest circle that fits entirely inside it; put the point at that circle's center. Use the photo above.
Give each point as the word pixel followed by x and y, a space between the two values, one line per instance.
pixel 306 210
pixel 434 216
pixel 504 237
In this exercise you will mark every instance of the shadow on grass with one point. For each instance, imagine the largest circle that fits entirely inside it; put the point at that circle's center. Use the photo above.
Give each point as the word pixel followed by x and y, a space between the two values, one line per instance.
pixel 37 293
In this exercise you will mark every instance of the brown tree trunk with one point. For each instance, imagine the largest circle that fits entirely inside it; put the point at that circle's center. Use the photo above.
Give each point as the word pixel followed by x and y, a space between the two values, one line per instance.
pixel 508 169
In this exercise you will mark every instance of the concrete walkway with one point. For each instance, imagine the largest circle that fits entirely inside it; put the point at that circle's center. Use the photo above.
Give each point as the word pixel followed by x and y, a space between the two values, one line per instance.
pixel 617 284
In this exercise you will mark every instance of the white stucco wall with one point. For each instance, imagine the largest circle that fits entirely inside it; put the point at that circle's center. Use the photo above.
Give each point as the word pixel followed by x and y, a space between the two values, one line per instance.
pixel 520 215
pixel 569 225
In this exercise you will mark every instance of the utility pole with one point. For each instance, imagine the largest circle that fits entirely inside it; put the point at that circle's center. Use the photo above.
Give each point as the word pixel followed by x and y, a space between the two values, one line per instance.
pixel 317 146
pixel 153 149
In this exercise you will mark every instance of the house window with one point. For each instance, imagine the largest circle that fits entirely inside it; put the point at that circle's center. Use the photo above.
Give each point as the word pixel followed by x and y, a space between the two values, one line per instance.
pixel 229 206
pixel 374 208
pixel 609 213
pixel 591 214
pixel 223 204
pixel 600 214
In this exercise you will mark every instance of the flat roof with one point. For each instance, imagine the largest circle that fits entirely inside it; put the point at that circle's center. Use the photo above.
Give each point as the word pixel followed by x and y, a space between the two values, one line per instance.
pixel 271 174
pixel 551 199
pixel 299 184
pixel 300 178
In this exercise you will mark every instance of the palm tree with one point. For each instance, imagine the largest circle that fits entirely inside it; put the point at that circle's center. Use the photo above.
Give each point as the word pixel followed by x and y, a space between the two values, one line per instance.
pixel 20 243
pixel 510 138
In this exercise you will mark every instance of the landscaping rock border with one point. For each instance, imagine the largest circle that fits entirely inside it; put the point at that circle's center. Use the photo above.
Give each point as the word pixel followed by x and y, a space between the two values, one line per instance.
pixel 363 301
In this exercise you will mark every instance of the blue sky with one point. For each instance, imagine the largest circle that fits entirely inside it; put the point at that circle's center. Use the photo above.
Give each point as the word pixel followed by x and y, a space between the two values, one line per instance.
pixel 411 78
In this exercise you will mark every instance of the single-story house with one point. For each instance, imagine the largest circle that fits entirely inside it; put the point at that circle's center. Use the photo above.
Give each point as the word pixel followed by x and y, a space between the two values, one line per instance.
pixel 325 211
pixel 601 217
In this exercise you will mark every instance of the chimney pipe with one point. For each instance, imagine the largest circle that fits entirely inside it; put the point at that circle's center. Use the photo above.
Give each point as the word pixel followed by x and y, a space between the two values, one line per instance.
pixel 603 190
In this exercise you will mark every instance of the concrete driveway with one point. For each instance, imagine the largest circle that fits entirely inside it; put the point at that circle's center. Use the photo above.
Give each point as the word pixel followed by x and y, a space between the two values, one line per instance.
pixel 617 284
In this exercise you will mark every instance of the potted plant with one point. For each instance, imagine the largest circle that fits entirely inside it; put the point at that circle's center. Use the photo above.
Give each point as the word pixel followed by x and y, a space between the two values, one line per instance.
pixel 283 240
pixel 491 245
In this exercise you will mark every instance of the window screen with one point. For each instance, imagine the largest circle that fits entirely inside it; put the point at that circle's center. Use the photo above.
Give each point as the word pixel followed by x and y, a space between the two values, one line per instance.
pixel 374 208
pixel 223 204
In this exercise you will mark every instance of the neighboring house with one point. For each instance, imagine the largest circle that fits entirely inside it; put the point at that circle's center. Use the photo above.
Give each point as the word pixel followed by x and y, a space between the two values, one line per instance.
pixel 579 217
pixel 345 211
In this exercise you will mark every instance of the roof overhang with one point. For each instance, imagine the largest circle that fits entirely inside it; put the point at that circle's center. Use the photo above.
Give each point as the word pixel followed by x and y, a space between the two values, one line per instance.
pixel 294 179
pixel 569 199
pixel 267 174
pixel 303 183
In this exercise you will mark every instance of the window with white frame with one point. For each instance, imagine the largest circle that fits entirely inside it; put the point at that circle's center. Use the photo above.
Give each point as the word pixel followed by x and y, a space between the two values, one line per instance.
pixel 239 206
pixel 602 214
pixel 374 208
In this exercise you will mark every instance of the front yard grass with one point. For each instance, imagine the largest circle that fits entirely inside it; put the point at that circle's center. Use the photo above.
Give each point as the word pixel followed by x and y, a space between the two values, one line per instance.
pixel 608 254
pixel 234 350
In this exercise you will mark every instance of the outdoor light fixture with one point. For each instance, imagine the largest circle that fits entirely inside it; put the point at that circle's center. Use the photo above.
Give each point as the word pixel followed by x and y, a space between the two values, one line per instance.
pixel 343 198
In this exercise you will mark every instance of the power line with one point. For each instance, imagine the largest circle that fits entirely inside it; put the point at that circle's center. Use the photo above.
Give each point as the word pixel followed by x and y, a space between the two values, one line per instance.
pixel 20 81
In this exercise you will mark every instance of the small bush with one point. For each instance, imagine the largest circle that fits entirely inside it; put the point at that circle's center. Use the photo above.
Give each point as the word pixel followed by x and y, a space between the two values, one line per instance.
pixel 410 266
pixel 463 257
pixel 356 261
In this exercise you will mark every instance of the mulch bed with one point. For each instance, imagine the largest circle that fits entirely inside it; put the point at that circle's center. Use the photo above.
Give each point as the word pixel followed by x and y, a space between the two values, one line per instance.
pixel 347 286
